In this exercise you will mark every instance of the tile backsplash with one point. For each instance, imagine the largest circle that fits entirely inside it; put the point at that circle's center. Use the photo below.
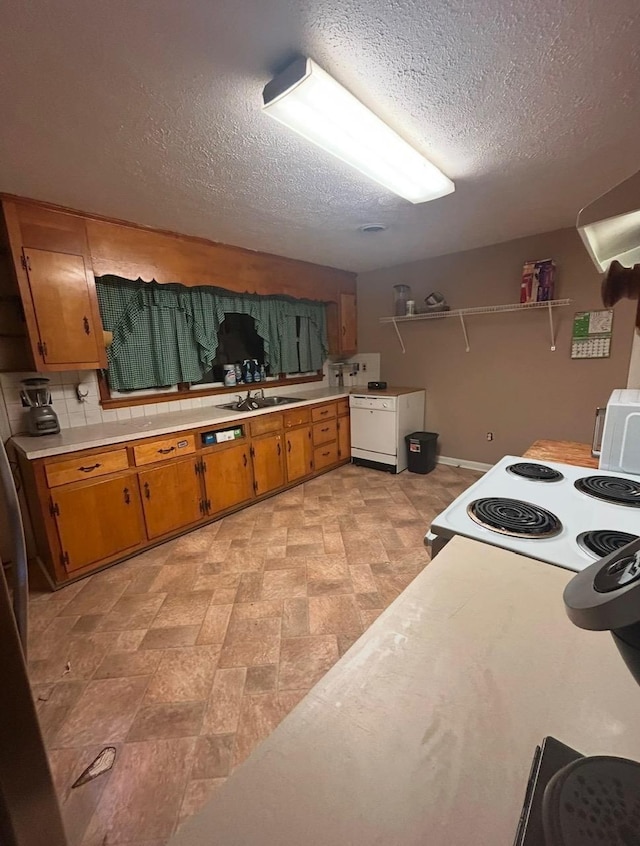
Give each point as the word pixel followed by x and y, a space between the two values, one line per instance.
pixel 73 412
pixel 357 370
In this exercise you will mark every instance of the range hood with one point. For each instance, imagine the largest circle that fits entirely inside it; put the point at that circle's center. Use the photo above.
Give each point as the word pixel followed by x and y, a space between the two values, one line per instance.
pixel 610 226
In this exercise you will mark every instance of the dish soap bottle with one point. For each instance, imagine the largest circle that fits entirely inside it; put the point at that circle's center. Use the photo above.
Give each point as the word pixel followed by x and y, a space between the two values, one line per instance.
pixel 247 374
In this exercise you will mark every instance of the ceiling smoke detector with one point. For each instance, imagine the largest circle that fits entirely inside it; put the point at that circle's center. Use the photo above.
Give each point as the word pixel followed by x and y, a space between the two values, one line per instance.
pixel 372 228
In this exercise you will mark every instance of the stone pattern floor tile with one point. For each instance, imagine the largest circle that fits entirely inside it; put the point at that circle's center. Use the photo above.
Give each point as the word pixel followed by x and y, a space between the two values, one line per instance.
pixel 187 656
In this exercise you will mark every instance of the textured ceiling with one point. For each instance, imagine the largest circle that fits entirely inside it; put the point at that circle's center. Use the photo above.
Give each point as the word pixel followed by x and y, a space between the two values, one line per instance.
pixel 149 110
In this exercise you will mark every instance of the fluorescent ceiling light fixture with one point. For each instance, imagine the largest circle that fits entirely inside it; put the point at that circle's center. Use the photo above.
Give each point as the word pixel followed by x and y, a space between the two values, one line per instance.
pixel 309 101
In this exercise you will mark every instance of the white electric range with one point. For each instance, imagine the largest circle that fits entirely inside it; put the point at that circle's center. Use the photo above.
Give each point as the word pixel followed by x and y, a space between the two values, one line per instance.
pixel 548 511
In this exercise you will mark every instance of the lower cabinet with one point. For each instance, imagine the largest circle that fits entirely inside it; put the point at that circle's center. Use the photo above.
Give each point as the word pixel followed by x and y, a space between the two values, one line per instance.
pixel 97 520
pixel 147 494
pixel 299 453
pixel 325 455
pixel 268 464
pixel 344 438
pixel 227 478
pixel 171 496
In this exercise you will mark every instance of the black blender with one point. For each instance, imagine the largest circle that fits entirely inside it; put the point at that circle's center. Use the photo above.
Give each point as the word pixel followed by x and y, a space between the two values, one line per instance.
pixel 36 396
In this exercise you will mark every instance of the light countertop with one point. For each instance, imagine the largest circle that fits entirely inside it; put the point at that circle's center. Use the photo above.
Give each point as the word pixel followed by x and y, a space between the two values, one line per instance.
pixel 425 730
pixel 105 434
pixel 384 392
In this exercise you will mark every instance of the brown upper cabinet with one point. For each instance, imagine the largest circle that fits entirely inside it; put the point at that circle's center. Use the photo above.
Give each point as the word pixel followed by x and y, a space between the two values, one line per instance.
pixel 348 324
pixel 54 255
pixel 55 283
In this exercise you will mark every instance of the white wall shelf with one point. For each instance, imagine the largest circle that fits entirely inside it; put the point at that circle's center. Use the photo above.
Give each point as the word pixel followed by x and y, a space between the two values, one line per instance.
pixel 461 313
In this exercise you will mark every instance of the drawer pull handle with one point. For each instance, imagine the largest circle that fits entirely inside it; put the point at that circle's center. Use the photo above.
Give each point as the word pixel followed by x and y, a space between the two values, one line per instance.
pixel 87 327
pixel 279 449
pixel 89 469
pixel 244 458
pixel 326 429
pixel 127 498
pixel 166 451
pixel 288 446
pixel 326 411
pixel 325 454
pixel 147 491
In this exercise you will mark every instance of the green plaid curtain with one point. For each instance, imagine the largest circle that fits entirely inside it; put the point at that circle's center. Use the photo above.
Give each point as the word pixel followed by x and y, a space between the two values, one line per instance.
pixel 164 334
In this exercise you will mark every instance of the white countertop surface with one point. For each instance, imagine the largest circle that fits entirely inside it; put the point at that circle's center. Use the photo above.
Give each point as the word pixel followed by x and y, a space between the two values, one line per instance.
pixel 424 732
pixel 104 434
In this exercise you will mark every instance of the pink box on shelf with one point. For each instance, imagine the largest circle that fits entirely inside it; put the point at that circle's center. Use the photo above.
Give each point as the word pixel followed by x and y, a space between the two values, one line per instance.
pixel 538 281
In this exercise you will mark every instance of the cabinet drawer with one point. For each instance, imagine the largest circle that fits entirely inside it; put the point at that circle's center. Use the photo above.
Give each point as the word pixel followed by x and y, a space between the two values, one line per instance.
pixel 325 432
pixel 323 456
pixel 164 448
pixel 87 467
pixel 323 412
pixel 265 424
pixel 297 418
pixel 343 406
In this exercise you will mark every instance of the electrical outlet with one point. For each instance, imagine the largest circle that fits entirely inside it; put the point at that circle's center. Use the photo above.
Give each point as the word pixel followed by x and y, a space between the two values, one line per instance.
pixel 364 366
pixel 489 436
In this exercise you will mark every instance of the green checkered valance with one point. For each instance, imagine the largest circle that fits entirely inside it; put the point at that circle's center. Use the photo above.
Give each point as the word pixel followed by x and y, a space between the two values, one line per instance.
pixel 165 334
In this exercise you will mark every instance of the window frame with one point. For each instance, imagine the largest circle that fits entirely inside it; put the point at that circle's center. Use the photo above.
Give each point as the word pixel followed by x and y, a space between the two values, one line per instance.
pixel 184 391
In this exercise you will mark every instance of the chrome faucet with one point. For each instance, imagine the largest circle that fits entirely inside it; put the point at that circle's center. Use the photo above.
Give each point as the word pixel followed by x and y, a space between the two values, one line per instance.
pixel 257 393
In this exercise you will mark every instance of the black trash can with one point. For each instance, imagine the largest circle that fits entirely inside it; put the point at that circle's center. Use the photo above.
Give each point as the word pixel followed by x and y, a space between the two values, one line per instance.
pixel 421 451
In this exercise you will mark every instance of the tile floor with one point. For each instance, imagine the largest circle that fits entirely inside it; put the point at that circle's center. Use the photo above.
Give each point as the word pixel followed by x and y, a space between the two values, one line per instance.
pixel 187 656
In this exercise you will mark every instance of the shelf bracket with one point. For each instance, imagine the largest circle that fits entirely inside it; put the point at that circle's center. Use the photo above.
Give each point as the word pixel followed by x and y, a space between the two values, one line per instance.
pixel 464 332
pixel 395 326
pixel 551 329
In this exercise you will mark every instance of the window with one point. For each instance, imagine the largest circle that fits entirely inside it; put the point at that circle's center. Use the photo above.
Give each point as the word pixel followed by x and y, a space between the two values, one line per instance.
pixel 238 340
pixel 171 336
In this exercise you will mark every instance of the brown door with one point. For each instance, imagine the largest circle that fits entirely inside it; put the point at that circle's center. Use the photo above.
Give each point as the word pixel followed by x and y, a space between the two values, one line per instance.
pixel 97 519
pixel 60 293
pixel 268 464
pixel 227 478
pixel 171 496
pixel 348 323
pixel 344 438
pixel 299 453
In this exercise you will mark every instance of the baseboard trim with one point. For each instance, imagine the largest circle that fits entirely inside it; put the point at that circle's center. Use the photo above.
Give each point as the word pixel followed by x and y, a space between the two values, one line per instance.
pixel 461 462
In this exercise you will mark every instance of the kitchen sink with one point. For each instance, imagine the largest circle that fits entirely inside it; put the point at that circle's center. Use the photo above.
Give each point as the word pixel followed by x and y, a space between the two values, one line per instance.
pixel 259 402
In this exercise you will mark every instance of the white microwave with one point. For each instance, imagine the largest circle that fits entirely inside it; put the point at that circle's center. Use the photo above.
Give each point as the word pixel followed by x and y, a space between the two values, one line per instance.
pixel 617 442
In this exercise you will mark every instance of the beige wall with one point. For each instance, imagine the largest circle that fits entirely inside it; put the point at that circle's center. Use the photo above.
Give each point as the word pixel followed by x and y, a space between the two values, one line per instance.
pixel 510 383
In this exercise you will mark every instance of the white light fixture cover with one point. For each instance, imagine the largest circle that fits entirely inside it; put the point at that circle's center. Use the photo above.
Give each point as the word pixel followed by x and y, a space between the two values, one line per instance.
pixel 309 101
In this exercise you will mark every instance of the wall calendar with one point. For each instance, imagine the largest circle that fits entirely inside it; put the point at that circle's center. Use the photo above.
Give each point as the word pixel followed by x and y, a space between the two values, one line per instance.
pixel 591 336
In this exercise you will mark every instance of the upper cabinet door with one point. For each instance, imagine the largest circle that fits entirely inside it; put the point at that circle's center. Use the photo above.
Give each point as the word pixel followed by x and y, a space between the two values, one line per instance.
pixel 348 340
pixel 62 304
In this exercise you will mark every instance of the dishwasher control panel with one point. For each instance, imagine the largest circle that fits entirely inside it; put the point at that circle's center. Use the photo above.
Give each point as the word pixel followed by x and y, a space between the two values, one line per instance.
pixel 373 403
